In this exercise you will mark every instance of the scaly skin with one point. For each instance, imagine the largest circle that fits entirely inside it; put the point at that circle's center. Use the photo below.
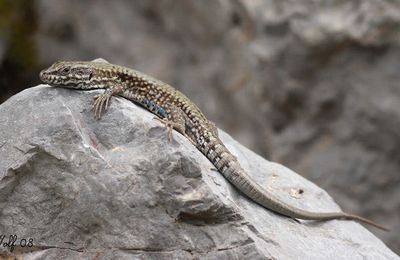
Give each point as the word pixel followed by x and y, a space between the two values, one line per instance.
pixel 177 112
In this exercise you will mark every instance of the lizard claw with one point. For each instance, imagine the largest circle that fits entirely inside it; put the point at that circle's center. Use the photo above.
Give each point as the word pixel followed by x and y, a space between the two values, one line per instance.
pixel 170 127
pixel 101 101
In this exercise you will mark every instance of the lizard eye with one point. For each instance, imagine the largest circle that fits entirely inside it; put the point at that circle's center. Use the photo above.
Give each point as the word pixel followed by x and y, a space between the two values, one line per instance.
pixel 65 70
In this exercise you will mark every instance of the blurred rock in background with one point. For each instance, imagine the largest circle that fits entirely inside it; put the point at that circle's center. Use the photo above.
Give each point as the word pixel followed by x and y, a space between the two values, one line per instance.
pixel 18 53
pixel 314 85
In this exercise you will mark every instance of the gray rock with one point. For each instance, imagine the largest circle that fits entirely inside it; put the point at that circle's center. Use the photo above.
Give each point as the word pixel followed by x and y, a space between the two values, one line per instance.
pixel 117 188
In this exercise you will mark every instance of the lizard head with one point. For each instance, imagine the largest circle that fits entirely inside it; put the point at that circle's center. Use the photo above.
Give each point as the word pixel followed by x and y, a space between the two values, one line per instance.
pixel 68 74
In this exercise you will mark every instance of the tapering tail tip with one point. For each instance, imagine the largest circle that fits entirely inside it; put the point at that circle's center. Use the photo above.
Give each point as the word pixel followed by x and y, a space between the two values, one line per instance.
pixel 378 226
pixel 366 221
pixel 383 228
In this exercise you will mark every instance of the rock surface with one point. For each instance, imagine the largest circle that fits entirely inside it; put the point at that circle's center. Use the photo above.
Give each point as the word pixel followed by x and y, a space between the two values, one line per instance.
pixel 116 188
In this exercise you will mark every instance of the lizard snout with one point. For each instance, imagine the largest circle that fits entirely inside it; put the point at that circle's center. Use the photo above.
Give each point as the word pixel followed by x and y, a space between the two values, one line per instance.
pixel 42 75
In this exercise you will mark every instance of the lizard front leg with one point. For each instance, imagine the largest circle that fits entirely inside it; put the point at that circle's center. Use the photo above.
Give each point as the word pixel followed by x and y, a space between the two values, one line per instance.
pixel 102 100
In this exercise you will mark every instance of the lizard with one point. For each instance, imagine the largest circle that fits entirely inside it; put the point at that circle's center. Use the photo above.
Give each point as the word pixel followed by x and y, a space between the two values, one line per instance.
pixel 177 112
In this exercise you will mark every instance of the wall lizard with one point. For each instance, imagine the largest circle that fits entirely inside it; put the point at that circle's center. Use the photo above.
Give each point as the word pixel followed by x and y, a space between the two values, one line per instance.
pixel 177 112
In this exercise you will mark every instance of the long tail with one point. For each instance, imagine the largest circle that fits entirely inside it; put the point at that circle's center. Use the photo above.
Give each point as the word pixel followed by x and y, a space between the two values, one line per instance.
pixel 228 165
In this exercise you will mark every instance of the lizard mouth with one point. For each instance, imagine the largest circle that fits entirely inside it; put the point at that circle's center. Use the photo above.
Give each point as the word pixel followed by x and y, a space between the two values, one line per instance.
pixel 43 76
pixel 49 79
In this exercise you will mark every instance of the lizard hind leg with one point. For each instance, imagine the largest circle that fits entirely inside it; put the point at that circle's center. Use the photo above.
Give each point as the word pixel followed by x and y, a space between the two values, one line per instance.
pixel 172 125
pixel 169 124
pixel 175 119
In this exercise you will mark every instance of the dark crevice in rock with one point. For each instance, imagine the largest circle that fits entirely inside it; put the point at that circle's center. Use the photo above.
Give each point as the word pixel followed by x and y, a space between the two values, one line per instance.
pixel 208 218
